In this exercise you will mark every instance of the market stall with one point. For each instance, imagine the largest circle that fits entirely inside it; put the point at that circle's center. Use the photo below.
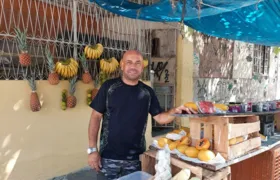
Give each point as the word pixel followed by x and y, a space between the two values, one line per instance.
pixel 219 136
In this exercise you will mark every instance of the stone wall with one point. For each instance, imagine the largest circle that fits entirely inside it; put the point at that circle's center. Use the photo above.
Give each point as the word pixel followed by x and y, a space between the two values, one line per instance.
pixel 223 72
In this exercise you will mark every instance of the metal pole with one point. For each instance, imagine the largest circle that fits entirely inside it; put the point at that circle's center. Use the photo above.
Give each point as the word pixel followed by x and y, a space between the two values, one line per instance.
pixel 74 20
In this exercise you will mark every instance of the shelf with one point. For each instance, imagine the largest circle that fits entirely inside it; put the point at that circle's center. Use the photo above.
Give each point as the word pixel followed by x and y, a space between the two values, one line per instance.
pixel 227 114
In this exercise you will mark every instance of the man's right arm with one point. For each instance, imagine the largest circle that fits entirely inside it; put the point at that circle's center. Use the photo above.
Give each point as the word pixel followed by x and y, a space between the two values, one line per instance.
pixel 93 128
pixel 94 159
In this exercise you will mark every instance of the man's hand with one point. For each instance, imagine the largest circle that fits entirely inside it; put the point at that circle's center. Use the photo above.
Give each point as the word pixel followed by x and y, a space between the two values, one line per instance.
pixel 94 161
pixel 180 109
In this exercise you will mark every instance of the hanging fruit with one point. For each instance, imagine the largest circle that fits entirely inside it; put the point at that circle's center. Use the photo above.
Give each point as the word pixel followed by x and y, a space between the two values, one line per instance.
pixel 71 99
pixel 86 78
pixel 64 99
pixel 94 52
pixel 67 68
pixel 34 100
pixel 24 57
pixel 103 77
pixel 89 91
pixel 53 77
pixel 109 65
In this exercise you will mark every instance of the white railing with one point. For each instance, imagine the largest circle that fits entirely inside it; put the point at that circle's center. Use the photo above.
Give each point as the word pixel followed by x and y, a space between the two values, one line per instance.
pixel 66 27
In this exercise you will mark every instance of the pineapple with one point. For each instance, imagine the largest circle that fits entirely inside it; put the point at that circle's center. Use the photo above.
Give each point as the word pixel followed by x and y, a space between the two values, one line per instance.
pixel 53 77
pixel 86 75
pixel 34 100
pixel 24 57
pixel 71 99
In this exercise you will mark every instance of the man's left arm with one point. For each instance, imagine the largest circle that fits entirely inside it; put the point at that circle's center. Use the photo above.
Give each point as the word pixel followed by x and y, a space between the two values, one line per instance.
pixel 165 117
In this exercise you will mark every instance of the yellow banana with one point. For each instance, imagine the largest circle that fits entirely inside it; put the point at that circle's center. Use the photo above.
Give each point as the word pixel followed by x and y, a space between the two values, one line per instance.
pixel 92 53
pixel 86 48
pixel 101 64
pixel 75 63
pixel 106 66
pixel 97 53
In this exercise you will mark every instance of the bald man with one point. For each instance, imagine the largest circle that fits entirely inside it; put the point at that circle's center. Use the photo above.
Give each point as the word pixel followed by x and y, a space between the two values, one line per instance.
pixel 124 104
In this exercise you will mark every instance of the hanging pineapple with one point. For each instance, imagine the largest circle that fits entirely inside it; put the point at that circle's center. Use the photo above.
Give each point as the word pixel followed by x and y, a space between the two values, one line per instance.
pixel 34 100
pixel 86 75
pixel 24 57
pixel 71 99
pixel 53 77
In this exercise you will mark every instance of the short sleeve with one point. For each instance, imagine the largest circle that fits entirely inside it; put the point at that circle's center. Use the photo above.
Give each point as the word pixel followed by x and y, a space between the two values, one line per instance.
pixel 99 102
pixel 155 108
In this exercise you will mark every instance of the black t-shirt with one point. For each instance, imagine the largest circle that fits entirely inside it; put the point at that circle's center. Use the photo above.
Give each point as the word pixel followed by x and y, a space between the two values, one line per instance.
pixel 125 111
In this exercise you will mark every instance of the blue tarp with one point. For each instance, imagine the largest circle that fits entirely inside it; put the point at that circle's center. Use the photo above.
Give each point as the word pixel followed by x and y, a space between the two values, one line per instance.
pixel 245 20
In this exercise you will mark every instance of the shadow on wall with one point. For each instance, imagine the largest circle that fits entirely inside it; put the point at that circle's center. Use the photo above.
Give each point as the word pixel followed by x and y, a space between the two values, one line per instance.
pixel 232 90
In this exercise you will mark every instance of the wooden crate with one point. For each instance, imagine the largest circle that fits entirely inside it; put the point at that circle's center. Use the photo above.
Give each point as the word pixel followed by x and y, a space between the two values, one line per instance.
pixel 220 129
pixel 148 161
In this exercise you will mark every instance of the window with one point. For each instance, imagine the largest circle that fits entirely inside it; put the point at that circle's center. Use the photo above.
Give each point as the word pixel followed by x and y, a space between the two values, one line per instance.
pixel 261 59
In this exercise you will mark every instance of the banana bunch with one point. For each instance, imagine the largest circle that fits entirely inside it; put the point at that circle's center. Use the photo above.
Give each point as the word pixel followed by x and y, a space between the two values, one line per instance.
pixel 109 65
pixel 146 62
pixel 94 52
pixel 67 68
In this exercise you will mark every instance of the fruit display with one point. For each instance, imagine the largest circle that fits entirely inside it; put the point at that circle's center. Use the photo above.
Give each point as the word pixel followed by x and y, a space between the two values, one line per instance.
pixel 64 99
pixel 94 52
pixel 183 146
pixel 24 56
pixel 89 98
pixel 192 152
pixel 53 77
pixel 206 107
pixel 184 174
pixel 34 100
pixel 186 140
pixel 163 141
pixel 203 144
pixel 67 68
pixel 221 107
pixel 86 78
pixel 237 140
pixel 145 62
pixel 71 99
pixel 206 155
pixel 109 65
pixel 191 105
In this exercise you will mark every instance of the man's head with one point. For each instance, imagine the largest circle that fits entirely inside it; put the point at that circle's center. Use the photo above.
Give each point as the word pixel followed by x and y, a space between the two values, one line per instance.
pixel 132 65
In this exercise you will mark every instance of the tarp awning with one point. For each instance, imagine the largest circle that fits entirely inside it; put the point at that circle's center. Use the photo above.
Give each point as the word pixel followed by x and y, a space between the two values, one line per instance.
pixel 245 20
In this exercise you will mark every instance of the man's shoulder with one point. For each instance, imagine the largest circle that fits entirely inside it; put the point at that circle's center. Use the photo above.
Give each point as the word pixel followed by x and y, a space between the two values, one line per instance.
pixel 111 82
pixel 147 87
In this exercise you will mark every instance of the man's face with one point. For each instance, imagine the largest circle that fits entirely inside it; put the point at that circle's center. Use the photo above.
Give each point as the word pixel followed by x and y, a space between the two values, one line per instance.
pixel 132 66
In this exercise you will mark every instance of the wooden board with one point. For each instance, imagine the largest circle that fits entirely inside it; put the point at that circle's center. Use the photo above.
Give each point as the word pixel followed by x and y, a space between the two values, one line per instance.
pixel 219 130
pixel 148 160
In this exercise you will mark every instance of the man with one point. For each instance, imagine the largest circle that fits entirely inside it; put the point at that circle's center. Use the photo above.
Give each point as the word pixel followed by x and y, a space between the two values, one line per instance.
pixel 124 104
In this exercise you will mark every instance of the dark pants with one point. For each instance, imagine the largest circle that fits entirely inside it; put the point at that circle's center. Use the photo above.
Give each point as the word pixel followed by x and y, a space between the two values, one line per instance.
pixel 114 169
